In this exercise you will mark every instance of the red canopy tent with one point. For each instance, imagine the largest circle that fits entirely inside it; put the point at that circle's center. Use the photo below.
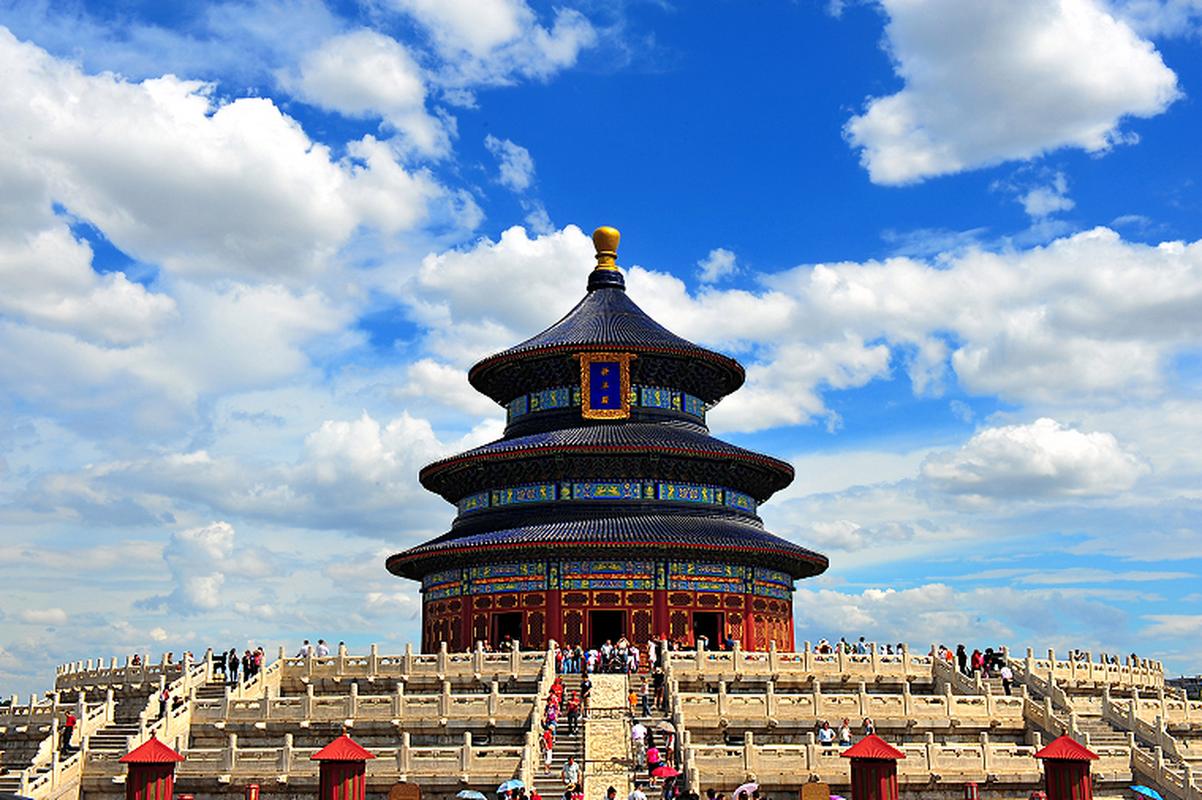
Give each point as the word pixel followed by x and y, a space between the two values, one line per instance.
pixel 873 768
pixel 1066 769
pixel 151 771
pixel 343 769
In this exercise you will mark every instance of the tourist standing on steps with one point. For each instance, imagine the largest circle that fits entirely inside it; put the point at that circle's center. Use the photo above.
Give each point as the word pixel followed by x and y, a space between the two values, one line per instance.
pixel 1007 678
pixel 571 772
pixel 638 743
pixel 869 726
pixel 573 712
pixel 164 702
pixel 962 658
pixel 64 742
pixel 978 661
pixel 637 793
pixel 645 697
pixel 548 749
pixel 845 733
pixel 586 691
pixel 826 736
pixel 231 662
pixel 657 682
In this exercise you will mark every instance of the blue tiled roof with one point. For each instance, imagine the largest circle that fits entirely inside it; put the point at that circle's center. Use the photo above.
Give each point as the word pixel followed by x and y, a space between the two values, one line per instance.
pixel 684 532
pixel 662 437
pixel 605 318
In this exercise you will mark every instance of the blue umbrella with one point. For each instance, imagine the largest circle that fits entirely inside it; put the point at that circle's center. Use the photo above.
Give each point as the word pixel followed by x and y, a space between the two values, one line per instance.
pixel 510 785
pixel 1147 792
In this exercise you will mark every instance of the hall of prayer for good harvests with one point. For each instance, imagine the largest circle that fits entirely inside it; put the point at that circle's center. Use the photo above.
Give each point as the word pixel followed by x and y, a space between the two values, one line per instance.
pixel 607 510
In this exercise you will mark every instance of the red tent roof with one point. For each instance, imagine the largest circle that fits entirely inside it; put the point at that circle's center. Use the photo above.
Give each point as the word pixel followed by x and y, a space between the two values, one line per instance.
pixel 151 751
pixel 1067 749
pixel 344 748
pixel 873 746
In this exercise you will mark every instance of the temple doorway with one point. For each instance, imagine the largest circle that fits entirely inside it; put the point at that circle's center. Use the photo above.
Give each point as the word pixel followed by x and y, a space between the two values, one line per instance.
pixel 709 624
pixel 604 625
pixel 507 624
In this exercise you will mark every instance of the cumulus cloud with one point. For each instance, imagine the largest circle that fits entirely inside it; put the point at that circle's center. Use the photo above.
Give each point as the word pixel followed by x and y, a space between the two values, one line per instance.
pixel 1043 201
pixel 43 616
pixel 1042 460
pixel 367 74
pixel 987 83
pixel 498 41
pixel 175 178
pixel 936 613
pixel 514 162
pixel 195 558
pixel 719 264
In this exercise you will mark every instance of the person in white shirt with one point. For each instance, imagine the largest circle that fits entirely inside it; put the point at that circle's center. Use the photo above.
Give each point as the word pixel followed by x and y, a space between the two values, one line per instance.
pixel 1007 678
pixel 323 649
pixel 826 736
pixel 305 651
pixel 637 794
pixel 638 740
pixel 571 772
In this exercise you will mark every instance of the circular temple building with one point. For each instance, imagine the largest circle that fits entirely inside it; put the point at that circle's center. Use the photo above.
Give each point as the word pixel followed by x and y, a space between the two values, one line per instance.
pixel 607 509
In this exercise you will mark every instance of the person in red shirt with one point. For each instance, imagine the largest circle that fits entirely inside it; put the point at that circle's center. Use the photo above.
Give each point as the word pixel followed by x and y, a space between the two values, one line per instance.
pixel 573 712
pixel 68 731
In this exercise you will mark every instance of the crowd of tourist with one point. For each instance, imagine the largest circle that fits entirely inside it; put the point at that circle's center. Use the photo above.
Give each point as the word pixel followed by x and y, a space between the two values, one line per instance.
pixel 229 664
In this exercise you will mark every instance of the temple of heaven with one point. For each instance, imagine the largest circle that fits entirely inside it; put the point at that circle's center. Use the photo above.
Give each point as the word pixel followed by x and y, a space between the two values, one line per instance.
pixel 607 510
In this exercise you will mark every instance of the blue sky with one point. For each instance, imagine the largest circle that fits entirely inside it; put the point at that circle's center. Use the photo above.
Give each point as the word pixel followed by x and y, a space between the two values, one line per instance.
pixel 248 251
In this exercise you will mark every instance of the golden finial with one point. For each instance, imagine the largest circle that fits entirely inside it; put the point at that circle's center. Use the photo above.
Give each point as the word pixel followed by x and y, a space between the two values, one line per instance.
pixel 605 239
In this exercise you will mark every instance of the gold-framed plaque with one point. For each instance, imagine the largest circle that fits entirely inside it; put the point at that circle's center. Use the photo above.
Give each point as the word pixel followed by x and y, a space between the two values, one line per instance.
pixel 605 385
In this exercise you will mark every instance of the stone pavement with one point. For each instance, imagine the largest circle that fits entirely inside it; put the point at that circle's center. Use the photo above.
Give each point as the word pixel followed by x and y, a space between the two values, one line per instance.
pixel 607 739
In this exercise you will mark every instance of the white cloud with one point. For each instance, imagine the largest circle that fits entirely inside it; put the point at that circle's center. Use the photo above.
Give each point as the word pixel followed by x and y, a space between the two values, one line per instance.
pixel 497 41
pixel 174 178
pixel 935 613
pixel 1040 460
pixel 1173 626
pixel 43 616
pixel 367 74
pixel 195 558
pixel 987 83
pixel 514 162
pixel 719 264
pixel 1043 201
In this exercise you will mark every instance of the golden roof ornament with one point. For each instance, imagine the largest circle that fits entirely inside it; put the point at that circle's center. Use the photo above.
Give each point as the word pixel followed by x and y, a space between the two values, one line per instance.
pixel 605 240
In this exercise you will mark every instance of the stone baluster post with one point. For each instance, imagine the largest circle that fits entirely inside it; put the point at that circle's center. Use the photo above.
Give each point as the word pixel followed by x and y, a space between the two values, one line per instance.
pixel 478 659
pixel 398 700
pixel 465 754
pixel 444 701
pixel 515 658
pixel 229 757
pixel 402 755
pixel 373 660
pixel 817 692
pixel 353 701
pixel 907 700
pixel 811 753
pixel 309 662
pixel 876 664
pixel 807 659
pixel 749 755
pixel 442 660
pixel 862 696
pixel 929 750
pixel 842 660
pixel 986 753
pixel 407 662
pixel 340 660
pixel 773 659
pixel 722 700
pixel 308 703
pixel 285 765
pixel 770 703
pixel 494 702
pixel 905 654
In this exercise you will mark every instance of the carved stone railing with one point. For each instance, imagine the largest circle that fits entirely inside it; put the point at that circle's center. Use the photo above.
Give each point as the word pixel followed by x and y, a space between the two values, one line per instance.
pixel 946 674
pixel 464 763
pixel 1145 675
pixel 530 750
pixel 441 665
pixel 773 708
pixel 431 709
pixel 47 770
pixel 1155 770
pixel 99 674
pixel 737 663
pixel 792 765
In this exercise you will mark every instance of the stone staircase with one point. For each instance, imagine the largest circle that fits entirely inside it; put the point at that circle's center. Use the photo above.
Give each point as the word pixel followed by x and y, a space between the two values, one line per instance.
pixel 550 784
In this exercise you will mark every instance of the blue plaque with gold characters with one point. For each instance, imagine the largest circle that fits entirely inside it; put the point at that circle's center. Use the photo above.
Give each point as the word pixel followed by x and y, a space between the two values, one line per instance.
pixel 605 385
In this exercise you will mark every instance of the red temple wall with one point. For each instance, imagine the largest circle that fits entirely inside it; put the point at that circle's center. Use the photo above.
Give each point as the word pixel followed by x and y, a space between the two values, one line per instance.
pixel 566 616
